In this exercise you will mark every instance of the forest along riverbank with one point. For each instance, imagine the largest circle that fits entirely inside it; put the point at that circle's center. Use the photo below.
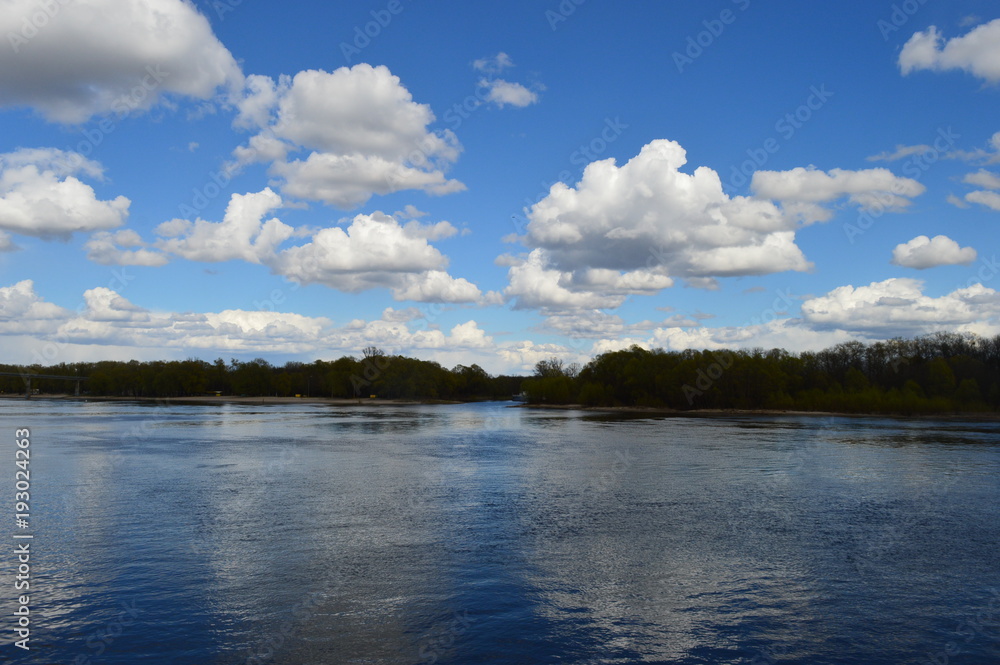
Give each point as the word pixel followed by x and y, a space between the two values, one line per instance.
pixel 228 399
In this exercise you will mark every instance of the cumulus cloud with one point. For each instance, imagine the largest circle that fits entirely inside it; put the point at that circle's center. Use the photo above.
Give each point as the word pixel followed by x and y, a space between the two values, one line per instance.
pixel 923 252
pixel 242 234
pixel 113 249
pixel 598 324
pixel 41 196
pixel 97 56
pixel 802 190
pixel 498 91
pixel 898 307
pixel 790 334
pixel 108 320
pixel 376 251
pixel 977 52
pixel 341 137
pixel 634 229
pixel 534 284
pixel 23 311
pixel 881 310
pixel 373 251
pixel 502 93
pixel 522 356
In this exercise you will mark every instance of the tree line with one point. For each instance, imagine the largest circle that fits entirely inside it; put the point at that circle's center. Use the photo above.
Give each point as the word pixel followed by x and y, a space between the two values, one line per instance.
pixel 375 373
pixel 941 372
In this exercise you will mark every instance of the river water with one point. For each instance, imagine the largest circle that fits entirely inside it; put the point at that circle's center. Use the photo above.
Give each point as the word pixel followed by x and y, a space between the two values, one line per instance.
pixel 301 534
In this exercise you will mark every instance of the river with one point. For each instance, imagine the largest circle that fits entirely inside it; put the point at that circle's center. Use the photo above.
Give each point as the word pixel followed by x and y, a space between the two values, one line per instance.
pixel 479 533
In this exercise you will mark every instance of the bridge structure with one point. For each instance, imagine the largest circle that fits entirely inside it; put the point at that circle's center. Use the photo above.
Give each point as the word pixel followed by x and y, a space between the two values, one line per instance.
pixel 28 377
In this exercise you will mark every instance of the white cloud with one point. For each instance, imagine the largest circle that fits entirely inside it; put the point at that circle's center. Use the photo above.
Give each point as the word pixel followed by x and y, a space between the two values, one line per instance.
pixel 107 249
pixel 522 356
pixel 598 324
pixel 502 93
pixel 96 56
pixel 801 190
pixel 534 283
pixel 374 251
pixel 108 321
pixel 923 252
pixel 242 234
pixel 438 231
pixel 789 334
pixel 901 152
pixel 7 243
pixel 988 199
pixel 259 100
pixel 410 211
pixel 22 311
pixel 989 180
pixel 363 133
pixel 957 202
pixel 988 155
pixel 347 181
pixel 494 64
pixel 401 315
pixel 632 229
pixel 983 178
pixel 438 286
pixel 105 305
pixel 40 195
pixel 898 307
pixel 977 52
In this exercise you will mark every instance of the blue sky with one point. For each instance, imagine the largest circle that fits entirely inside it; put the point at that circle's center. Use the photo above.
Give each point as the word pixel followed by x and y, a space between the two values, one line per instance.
pixel 494 184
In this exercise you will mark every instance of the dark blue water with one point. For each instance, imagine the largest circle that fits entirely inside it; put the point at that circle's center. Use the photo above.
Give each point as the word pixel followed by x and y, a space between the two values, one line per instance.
pixel 298 534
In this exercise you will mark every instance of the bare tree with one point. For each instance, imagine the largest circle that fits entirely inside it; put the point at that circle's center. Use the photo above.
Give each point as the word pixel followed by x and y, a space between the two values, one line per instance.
pixel 372 352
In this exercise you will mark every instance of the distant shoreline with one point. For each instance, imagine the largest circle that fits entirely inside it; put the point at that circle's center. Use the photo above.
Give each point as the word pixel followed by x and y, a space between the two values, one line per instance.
pixel 722 413
pixel 619 410
pixel 231 399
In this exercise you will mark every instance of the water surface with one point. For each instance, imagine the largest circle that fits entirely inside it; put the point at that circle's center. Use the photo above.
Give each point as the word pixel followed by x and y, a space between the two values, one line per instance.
pixel 286 534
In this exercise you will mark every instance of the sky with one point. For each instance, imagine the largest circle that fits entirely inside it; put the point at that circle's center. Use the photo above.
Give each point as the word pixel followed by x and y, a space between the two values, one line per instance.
pixel 493 184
